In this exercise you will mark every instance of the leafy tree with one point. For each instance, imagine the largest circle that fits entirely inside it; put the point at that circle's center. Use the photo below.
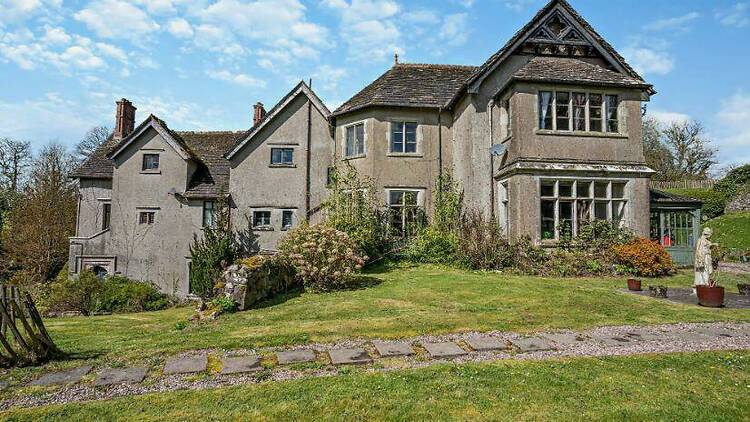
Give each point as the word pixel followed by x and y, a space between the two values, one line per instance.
pixel 210 253
pixel 692 156
pixel 657 154
pixel 93 139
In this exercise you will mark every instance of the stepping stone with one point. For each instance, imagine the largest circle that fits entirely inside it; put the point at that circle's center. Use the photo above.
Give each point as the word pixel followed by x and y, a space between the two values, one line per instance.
pixel 112 376
pixel 613 340
pixel 532 344
pixel 63 377
pixel 564 339
pixel 640 335
pixel 295 356
pixel 443 350
pixel 486 343
pixel 689 337
pixel 240 364
pixel 716 332
pixel 349 356
pixel 393 348
pixel 186 365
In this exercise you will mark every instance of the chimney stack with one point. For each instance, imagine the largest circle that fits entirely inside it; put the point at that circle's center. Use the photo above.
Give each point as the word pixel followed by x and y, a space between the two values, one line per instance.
pixel 124 119
pixel 258 113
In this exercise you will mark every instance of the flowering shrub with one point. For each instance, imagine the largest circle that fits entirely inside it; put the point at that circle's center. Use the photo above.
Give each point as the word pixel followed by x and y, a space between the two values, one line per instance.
pixel 644 257
pixel 324 258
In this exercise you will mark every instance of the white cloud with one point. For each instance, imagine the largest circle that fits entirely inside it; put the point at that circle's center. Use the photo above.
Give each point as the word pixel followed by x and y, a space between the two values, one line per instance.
pixel 518 5
pixel 117 19
pixel 422 17
pixel 53 35
pixel 648 61
pixel 454 31
pixel 81 57
pixel 240 79
pixel 668 117
pixel 731 132
pixel 328 77
pixel 368 27
pixel 21 120
pixel 736 16
pixel 677 22
pixel 110 50
pixel 180 28
pixel 14 11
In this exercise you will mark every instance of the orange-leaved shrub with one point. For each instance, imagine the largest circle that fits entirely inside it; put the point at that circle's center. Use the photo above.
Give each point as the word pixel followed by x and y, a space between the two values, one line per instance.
pixel 644 257
pixel 323 258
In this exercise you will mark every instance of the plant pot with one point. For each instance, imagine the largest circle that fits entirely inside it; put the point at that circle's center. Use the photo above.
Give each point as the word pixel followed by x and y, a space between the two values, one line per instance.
pixel 658 291
pixel 711 297
pixel 743 289
pixel 634 285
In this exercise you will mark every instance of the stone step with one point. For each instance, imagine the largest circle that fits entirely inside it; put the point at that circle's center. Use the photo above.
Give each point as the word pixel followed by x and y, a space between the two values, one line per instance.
pixel 186 365
pixel 393 348
pixel 240 364
pixel 349 356
pixel 295 356
pixel 69 376
pixel 443 350
pixel 111 376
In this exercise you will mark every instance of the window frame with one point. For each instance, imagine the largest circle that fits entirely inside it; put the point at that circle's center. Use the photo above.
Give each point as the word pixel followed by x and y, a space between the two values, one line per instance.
pixel 212 213
pixel 403 207
pixel 284 213
pixel 145 159
pixel 604 108
pixel 146 217
pixel 281 151
pixel 403 133
pixel 262 226
pixel 106 215
pixel 356 153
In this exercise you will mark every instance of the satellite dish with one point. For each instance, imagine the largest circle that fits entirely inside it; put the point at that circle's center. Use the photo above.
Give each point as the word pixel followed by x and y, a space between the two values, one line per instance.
pixel 497 150
pixel 172 191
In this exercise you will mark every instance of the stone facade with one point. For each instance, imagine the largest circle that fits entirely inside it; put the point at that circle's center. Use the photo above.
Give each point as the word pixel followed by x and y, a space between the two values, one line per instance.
pixel 543 136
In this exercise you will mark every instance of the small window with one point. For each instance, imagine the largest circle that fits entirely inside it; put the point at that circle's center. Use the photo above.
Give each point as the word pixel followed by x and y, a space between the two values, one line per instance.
pixel 329 176
pixel 545 110
pixel 355 140
pixel 595 112
pixel 208 214
pixel 579 111
pixel 287 217
pixel 106 215
pixel 282 156
pixel 261 218
pixel 146 217
pixel 611 103
pixel 403 137
pixel 562 104
pixel 150 162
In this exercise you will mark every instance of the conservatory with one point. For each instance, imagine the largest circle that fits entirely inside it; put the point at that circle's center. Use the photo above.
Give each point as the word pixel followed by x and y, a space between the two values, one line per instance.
pixel 676 225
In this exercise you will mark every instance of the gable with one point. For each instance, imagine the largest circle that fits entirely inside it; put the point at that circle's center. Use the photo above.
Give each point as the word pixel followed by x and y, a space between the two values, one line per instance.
pixel 154 123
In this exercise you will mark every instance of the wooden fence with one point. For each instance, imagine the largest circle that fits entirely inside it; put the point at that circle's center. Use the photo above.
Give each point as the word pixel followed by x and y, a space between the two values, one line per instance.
pixel 24 339
pixel 683 184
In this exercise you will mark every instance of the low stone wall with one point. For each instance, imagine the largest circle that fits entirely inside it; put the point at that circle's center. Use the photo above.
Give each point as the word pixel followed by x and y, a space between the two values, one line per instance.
pixel 739 203
pixel 262 279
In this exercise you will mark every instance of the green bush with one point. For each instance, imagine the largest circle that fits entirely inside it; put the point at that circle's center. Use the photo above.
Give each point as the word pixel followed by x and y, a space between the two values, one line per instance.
pixel 734 182
pixel 481 244
pixel 211 252
pixel 120 294
pixel 223 304
pixel 432 246
pixel 714 201
pixel 79 294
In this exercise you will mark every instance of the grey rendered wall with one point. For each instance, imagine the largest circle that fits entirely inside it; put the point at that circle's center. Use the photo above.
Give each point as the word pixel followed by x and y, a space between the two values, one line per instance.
pixel 92 196
pixel 256 185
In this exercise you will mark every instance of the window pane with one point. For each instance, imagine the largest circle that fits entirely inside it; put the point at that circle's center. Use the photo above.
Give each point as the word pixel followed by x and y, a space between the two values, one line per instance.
pixel 261 218
pixel 410 198
pixel 600 189
pixel 548 188
pixel 600 210
pixel 545 110
pixel 618 190
pixel 579 111
pixel 566 219
pixel 595 112
pixel 288 156
pixel 208 213
pixel 612 121
pixel 563 110
pixel 349 141
pixel 396 197
pixel 565 189
pixel 583 212
pixel 411 137
pixel 150 162
pixel 618 210
pixel 360 139
pixel 286 219
pixel 583 189
pixel 548 219
pixel 397 136
pixel 106 216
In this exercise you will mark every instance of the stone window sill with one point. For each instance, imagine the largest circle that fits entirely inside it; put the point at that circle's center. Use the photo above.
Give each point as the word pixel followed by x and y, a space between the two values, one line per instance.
pixel 354 157
pixel 282 166
pixel 150 171
pixel 545 132
pixel 263 229
pixel 405 154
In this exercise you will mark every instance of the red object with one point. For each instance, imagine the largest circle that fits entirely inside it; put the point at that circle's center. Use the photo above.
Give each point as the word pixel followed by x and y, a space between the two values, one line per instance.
pixel 666 241
pixel 711 297
pixel 634 285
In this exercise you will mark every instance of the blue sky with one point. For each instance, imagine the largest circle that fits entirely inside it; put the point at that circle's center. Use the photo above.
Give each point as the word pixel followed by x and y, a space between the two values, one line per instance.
pixel 201 64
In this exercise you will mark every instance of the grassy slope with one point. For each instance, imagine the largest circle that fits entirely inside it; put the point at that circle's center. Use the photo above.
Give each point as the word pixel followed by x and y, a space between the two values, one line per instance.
pixel 408 301
pixel 732 230
pixel 698 386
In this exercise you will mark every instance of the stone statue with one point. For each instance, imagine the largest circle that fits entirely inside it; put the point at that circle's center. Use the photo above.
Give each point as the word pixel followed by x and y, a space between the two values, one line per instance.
pixel 704 266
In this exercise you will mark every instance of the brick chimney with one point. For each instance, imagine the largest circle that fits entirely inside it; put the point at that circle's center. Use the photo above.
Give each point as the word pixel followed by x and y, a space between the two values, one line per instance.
pixel 258 113
pixel 124 119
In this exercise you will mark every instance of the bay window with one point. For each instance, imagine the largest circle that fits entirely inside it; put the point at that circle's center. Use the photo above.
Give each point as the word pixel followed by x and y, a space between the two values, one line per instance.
pixel 578 111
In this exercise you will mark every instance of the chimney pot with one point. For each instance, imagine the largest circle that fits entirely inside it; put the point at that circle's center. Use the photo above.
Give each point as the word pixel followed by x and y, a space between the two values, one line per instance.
pixel 124 119
pixel 258 113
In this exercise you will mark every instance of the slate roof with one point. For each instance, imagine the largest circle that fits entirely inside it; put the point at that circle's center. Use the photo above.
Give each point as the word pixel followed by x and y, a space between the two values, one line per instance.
pixel 97 165
pixel 411 85
pixel 570 70
pixel 666 198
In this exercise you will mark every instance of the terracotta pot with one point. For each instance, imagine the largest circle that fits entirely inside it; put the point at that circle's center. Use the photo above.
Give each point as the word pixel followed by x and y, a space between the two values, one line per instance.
pixel 658 291
pixel 743 289
pixel 711 297
pixel 634 285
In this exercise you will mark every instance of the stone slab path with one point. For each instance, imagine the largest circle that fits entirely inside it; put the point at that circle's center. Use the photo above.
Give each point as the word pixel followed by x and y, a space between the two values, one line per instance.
pixel 245 366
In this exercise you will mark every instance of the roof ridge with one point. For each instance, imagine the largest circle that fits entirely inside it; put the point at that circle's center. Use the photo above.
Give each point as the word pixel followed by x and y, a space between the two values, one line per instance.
pixel 462 66
pixel 209 131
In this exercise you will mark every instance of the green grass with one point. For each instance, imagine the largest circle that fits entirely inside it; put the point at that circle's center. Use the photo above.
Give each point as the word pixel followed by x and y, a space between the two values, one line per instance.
pixel 731 230
pixel 691 386
pixel 403 301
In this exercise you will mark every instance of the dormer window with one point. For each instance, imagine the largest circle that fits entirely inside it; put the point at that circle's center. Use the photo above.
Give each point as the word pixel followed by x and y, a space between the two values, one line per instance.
pixel 150 162
pixel 578 111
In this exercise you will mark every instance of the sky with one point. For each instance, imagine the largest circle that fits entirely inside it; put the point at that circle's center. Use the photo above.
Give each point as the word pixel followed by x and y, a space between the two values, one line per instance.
pixel 202 64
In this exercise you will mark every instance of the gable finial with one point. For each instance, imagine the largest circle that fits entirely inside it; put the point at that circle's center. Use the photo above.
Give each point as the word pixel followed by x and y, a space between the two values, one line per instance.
pixel 395 58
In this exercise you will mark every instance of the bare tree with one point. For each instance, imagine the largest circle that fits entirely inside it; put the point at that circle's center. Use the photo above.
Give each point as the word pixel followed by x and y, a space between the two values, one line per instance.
pixel 95 137
pixel 658 156
pixel 692 156
pixel 15 158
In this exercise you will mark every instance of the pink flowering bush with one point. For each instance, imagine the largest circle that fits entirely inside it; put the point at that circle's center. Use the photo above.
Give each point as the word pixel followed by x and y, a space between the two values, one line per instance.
pixel 324 258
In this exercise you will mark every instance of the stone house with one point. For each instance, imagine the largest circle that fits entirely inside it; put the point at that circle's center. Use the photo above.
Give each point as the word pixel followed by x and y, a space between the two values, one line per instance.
pixel 544 135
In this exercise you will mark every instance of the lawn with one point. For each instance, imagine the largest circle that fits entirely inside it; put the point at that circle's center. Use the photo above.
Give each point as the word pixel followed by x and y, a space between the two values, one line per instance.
pixel 690 386
pixel 402 301
pixel 731 230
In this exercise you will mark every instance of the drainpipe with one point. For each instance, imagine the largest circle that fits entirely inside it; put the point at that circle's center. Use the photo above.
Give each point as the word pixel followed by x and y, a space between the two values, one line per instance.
pixel 307 156
pixel 490 106
pixel 440 141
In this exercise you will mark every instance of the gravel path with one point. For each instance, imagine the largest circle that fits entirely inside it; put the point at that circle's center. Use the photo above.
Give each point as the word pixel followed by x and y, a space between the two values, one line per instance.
pixel 602 341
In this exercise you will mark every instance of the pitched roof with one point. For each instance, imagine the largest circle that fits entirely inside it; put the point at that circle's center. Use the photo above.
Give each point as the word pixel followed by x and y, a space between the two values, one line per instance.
pixel 212 176
pixel 411 85
pixel 161 127
pixel 570 70
pixel 666 198
pixel 97 165
pixel 301 88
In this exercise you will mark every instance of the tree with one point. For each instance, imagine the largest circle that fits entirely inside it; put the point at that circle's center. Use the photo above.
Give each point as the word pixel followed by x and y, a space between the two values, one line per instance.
pixel 36 237
pixel 657 154
pixel 691 154
pixel 213 251
pixel 94 138
pixel 15 158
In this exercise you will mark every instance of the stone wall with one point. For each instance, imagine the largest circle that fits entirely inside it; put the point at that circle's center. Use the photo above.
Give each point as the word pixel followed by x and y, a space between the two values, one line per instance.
pixel 739 203
pixel 259 279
